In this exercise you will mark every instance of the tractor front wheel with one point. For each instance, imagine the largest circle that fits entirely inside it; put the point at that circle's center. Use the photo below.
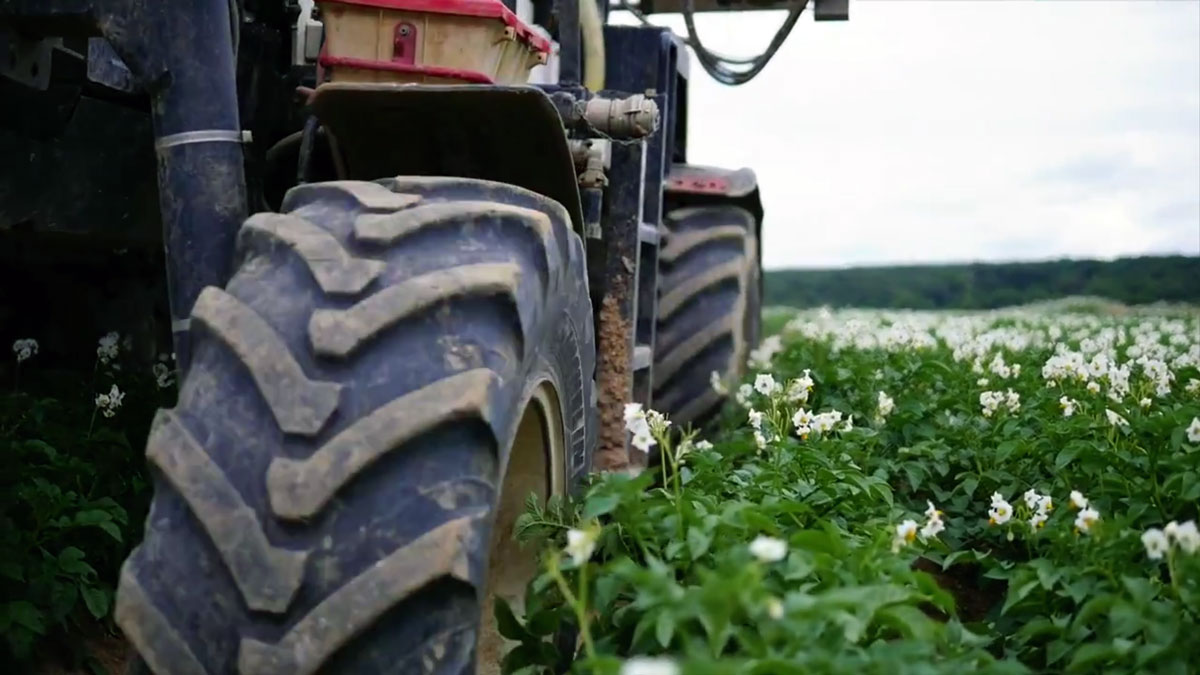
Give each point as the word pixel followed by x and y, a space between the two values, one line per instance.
pixel 393 368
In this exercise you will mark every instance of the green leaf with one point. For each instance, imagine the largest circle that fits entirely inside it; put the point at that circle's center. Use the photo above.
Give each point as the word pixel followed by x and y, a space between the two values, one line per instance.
pixel 1038 627
pixel 42 448
pixel 964 553
pixel 1018 593
pixel 96 600
pixel 506 622
pixel 63 596
pixel 698 542
pixel 1140 588
pixel 600 505
pixel 1067 455
pixel 519 659
pixel 909 621
pixel 1056 650
pixel 664 628
pixel 815 540
pixel 1091 654
pixel 1047 573
pixel 112 530
pixel 92 517
pixel 11 569
pixel 968 486
pixel 915 473
pixel 22 613
pixel 70 561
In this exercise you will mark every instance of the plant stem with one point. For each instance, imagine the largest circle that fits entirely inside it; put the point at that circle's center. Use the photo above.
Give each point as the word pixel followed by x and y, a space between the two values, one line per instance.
pixel 577 606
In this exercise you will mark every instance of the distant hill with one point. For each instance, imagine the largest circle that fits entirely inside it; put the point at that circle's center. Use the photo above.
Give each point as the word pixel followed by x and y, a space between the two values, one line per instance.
pixel 988 285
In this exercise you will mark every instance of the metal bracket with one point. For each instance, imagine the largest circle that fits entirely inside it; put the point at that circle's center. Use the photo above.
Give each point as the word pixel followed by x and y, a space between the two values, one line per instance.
pixel 29 61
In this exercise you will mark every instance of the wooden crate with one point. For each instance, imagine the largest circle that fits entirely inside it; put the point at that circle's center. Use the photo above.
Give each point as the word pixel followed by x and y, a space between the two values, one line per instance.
pixel 427 42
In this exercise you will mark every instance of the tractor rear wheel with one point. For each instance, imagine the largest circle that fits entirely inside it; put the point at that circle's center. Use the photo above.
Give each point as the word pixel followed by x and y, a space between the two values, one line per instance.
pixel 393 368
pixel 709 308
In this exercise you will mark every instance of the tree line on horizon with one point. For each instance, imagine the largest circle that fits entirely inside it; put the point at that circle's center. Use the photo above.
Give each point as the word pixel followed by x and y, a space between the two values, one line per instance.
pixel 1132 281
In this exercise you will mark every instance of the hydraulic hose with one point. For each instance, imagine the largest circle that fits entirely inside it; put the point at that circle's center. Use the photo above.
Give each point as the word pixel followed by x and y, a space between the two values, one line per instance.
pixel 593 45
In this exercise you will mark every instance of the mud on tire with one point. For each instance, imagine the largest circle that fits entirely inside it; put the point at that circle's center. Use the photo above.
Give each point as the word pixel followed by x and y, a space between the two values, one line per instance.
pixel 708 307
pixel 325 487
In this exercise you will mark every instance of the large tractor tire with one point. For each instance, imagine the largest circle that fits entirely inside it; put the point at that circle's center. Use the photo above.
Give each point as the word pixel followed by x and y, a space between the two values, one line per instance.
pixel 709 308
pixel 393 368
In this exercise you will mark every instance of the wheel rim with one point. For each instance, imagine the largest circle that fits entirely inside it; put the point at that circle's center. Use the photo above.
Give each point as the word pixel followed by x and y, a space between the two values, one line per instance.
pixel 536 464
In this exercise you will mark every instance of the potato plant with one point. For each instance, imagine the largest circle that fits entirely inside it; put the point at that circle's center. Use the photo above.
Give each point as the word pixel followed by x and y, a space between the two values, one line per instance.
pixel 897 492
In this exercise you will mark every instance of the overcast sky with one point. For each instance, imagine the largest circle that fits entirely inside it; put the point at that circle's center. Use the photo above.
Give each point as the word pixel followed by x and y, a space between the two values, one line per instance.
pixel 963 130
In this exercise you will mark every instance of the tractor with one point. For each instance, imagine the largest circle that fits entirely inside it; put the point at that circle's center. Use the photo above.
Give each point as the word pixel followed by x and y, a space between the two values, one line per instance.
pixel 418 256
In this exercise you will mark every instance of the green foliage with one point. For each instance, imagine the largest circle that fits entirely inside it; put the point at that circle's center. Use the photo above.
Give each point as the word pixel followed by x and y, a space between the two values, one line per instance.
pixel 675 571
pixel 984 286
pixel 73 496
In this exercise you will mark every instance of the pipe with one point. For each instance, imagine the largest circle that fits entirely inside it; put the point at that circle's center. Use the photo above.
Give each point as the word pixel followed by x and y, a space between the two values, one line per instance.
pixel 593 45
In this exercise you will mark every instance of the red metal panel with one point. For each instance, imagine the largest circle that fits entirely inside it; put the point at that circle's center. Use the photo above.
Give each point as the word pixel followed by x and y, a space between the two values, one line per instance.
pixel 491 9
pixel 698 184
pixel 404 44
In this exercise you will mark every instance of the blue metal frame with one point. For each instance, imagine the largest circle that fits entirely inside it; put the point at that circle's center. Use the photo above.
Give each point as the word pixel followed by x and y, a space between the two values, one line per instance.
pixel 181 53
pixel 623 264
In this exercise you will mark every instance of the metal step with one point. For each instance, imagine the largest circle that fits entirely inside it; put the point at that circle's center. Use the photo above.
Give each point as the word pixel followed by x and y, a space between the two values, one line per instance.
pixel 642 356
pixel 648 234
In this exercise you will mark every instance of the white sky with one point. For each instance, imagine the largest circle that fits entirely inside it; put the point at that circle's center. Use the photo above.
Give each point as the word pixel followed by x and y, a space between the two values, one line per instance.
pixel 962 130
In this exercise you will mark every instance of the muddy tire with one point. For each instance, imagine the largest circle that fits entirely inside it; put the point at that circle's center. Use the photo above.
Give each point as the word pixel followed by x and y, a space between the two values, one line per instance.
pixel 327 490
pixel 708 308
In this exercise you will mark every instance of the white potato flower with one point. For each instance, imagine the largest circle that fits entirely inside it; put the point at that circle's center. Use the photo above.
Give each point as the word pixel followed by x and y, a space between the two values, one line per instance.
pixel 718 385
pixel 1086 518
pixel 1031 498
pixel 108 403
pixel 1184 535
pixel 581 544
pixel 1001 510
pixel 799 389
pixel 933 524
pixel 1078 501
pixel 643 441
pixel 906 532
pixel 1193 431
pixel 1156 543
pixel 634 416
pixel 885 404
pixel 768 549
pixel 646 665
pixel 1068 405
pixel 774 608
pixel 765 384
pixel 25 348
pixel 108 348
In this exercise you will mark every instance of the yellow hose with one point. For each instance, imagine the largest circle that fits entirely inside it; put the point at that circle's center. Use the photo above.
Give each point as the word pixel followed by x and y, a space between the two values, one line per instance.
pixel 593 45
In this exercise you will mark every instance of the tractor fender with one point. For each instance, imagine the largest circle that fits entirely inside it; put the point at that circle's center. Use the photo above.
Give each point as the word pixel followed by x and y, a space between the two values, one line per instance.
pixel 689 184
pixel 506 134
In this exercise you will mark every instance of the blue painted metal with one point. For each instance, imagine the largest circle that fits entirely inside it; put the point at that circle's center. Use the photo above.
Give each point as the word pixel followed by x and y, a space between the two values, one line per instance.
pixel 651 61
pixel 181 53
